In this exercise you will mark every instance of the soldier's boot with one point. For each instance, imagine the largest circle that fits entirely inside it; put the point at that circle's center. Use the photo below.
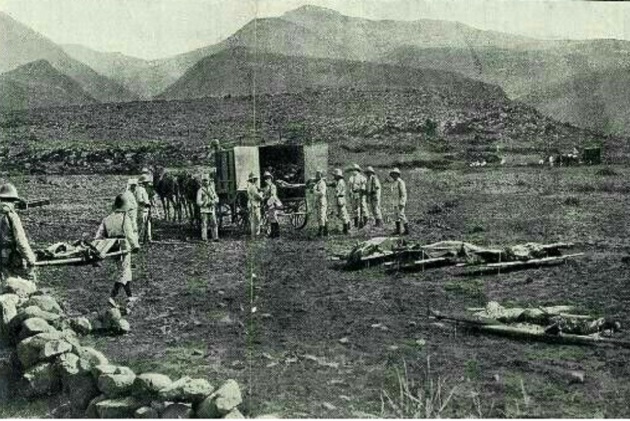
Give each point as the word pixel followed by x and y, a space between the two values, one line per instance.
pixel 397 232
pixel 346 228
pixel 378 223
pixel 215 234
pixel 406 229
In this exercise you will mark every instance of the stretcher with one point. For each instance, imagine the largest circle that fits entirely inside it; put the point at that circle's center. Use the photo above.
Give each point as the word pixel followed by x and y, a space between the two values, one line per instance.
pixel 81 252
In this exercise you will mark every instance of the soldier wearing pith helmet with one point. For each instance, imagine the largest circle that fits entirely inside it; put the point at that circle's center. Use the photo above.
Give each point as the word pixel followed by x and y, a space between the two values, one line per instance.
pixel 341 200
pixel 207 200
pixel 16 256
pixel 373 193
pixel 400 193
pixel 357 184
pixel 254 201
pixel 321 203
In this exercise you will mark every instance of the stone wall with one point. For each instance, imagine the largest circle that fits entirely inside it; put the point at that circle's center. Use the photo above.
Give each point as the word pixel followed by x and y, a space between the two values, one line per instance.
pixel 41 354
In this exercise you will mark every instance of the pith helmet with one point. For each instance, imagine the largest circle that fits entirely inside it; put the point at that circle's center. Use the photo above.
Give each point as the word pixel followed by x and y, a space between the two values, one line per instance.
pixel 121 204
pixel 252 177
pixel 338 173
pixel 144 179
pixel 370 170
pixel 205 177
pixel 356 167
pixel 394 171
pixel 267 174
pixel 319 174
pixel 8 192
pixel 132 182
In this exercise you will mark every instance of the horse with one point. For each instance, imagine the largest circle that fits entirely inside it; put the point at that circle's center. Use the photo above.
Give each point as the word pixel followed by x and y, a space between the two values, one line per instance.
pixel 168 189
pixel 189 186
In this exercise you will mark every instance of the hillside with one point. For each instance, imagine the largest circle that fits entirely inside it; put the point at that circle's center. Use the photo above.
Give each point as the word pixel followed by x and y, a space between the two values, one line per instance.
pixel 20 45
pixel 240 71
pixel 597 100
pixel 38 84
pixel 426 127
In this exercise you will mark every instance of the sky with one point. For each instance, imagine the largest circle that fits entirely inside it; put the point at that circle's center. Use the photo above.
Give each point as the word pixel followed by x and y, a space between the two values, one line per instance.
pixel 152 29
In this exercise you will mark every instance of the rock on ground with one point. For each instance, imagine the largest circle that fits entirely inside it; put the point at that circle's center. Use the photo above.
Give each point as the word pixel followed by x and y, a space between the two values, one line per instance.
pixel 53 348
pixel 178 410
pixel 33 326
pixel 234 414
pixel 117 384
pixel 81 325
pixel 45 302
pixel 43 379
pixel 117 408
pixel 20 287
pixel 29 350
pixel 187 389
pixel 221 402
pixel 145 412
pixel 93 356
pixel 90 412
pixel 148 385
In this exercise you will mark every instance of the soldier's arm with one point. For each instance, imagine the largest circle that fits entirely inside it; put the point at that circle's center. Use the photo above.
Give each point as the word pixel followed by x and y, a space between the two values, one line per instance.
pixel 101 233
pixel 21 242
pixel 403 193
pixel 200 198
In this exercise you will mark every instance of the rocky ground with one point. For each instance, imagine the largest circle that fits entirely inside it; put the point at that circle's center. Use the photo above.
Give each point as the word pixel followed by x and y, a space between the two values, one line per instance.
pixel 306 338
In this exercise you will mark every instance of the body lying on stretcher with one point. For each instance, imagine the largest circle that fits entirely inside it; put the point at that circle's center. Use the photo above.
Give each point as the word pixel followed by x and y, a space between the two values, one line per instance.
pixel 81 252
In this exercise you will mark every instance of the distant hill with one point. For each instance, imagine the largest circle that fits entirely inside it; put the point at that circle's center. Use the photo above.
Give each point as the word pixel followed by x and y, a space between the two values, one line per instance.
pixel 20 45
pixel 38 84
pixel 241 71
pixel 597 100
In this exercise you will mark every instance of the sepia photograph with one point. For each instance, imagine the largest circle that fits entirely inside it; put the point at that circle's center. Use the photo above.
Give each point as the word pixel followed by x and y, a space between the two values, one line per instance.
pixel 314 209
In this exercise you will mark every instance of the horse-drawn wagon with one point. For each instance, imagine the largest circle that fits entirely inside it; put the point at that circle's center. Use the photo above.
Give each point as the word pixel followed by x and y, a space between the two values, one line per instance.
pixel 292 167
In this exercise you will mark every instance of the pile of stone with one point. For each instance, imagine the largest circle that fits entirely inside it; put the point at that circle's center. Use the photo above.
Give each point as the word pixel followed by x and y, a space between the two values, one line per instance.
pixel 51 360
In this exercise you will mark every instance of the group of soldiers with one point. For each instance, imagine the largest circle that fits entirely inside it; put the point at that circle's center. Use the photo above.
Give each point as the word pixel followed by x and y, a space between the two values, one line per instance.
pixel 362 193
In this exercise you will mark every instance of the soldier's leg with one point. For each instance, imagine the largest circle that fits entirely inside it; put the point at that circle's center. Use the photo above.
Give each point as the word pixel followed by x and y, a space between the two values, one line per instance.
pixel 376 211
pixel 214 226
pixel 204 226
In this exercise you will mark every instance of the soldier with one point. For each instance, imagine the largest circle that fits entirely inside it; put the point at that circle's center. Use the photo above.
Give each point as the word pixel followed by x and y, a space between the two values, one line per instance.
pixel 357 184
pixel 340 200
pixel 254 201
pixel 400 190
pixel 207 200
pixel 144 205
pixel 16 256
pixel 118 225
pixel 272 204
pixel 374 196
pixel 130 197
pixel 321 203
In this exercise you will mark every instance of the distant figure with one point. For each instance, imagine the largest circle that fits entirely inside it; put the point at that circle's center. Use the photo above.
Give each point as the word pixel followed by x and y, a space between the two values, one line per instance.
pixel 207 200
pixel 400 190
pixel 254 202
pixel 273 205
pixel 119 225
pixel 145 206
pixel 357 183
pixel 130 196
pixel 340 200
pixel 374 196
pixel 321 203
pixel 16 256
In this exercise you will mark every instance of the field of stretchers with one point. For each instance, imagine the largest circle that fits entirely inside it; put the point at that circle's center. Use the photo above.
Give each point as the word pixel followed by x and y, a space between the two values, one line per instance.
pixel 307 338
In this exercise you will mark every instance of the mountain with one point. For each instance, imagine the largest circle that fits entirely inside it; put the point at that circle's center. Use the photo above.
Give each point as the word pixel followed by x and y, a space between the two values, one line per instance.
pixel 597 100
pixel 240 71
pixel 39 84
pixel 20 45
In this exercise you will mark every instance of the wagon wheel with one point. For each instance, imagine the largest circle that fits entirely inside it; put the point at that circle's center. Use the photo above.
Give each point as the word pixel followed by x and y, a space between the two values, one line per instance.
pixel 298 215
pixel 225 216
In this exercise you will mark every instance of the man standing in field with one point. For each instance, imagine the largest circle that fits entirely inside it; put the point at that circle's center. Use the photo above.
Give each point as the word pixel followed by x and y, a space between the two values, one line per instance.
pixel 207 200
pixel 321 203
pixel 119 225
pixel 374 196
pixel 340 200
pixel 272 204
pixel 357 183
pixel 145 205
pixel 254 201
pixel 400 191
pixel 130 197
pixel 16 256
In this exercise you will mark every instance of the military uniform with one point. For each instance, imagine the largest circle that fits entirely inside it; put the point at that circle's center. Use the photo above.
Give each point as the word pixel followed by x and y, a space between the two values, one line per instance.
pixel 321 204
pixel 119 225
pixel 341 201
pixel 374 196
pixel 207 200
pixel 273 205
pixel 357 184
pixel 400 191
pixel 254 201
pixel 144 205
pixel 16 256
pixel 130 197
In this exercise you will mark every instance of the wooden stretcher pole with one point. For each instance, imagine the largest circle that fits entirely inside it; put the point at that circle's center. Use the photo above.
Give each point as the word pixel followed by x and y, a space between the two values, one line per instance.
pixel 76 260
